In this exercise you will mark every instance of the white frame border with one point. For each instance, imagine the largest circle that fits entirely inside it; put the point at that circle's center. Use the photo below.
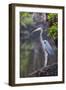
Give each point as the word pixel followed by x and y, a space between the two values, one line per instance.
pixel 19 80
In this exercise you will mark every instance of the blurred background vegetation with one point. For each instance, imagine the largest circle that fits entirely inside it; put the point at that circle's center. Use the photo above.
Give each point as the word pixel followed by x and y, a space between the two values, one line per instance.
pixel 26 21
pixel 53 26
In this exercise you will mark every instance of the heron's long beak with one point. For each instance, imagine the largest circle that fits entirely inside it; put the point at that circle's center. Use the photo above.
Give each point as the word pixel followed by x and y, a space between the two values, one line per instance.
pixel 38 29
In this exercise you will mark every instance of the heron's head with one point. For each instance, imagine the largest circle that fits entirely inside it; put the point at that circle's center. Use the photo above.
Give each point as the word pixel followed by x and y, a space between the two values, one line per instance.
pixel 38 30
pixel 36 33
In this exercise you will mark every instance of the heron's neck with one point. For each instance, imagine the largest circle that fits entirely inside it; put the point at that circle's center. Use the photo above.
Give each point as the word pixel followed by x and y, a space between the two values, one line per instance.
pixel 41 36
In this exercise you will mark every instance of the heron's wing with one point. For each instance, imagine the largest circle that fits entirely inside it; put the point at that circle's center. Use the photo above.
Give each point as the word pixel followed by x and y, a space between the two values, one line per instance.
pixel 49 48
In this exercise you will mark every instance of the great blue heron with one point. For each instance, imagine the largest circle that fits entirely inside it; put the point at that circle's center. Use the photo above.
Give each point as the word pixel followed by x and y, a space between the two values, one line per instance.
pixel 47 49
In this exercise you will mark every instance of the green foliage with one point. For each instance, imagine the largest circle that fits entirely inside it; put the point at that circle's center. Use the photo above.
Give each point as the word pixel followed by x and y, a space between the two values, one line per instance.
pixel 52 31
pixel 26 18
pixel 24 14
pixel 52 16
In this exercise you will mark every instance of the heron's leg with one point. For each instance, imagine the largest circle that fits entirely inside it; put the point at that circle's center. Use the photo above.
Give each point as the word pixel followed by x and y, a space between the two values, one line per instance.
pixel 46 59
